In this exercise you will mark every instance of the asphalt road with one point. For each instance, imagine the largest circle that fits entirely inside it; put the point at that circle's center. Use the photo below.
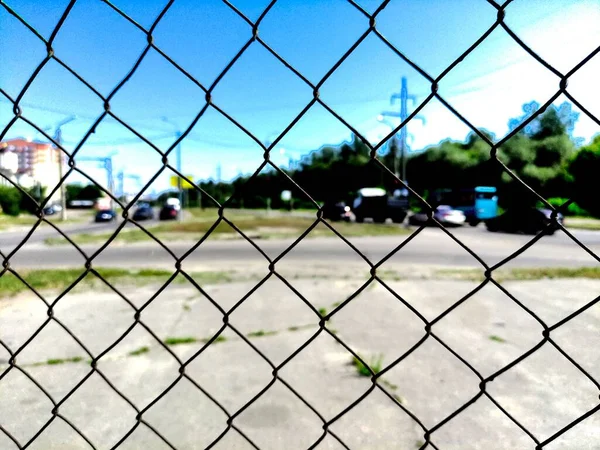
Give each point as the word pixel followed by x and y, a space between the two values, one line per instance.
pixel 431 247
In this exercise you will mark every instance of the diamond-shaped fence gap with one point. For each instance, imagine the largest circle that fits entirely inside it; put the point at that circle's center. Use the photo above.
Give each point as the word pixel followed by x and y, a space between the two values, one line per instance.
pixel 303 142
pixel 377 326
pixel 310 259
pixel 71 95
pixel 430 292
pixel 218 370
pixel 129 366
pixel 545 379
pixel 97 319
pixel 430 251
pixel 433 382
pixel 489 330
pixel 323 373
pixel 271 308
pixel 205 147
pixel 227 251
pixel 332 29
pixel 23 307
pixel 203 55
pixel 576 87
pixel 376 421
pixel 156 256
pixel 565 252
pixel 493 426
pixel 372 61
pixel 526 79
pixel 19 393
pixel 278 418
pixel 55 359
pixel 571 335
pixel 464 25
pixel 112 60
pixel 99 412
pixel 171 318
pixel 151 74
pixel 542 36
pixel 19 64
pixel 252 90
pixel 422 170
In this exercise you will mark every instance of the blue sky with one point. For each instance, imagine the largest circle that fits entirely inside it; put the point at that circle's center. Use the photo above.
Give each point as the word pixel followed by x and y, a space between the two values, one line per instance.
pixel 488 87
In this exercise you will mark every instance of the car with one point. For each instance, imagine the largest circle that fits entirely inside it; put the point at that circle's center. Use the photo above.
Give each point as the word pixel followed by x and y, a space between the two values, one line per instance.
pixel 169 212
pixel 336 211
pixel 375 203
pixel 525 220
pixel 105 215
pixel 444 214
pixel 143 212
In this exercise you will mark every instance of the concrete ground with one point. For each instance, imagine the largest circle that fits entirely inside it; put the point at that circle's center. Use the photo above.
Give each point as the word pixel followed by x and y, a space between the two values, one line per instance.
pixel 545 392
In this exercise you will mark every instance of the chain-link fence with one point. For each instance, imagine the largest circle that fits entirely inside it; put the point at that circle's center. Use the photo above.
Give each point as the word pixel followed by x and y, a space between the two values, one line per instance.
pixel 230 425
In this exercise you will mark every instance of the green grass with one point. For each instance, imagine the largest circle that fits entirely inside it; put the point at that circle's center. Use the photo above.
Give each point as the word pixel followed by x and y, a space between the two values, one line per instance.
pixel 260 333
pixel 389 384
pixel 495 338
pixel 301 327
pixel 322 312
pixel 139 351
pixel 57 361
pixel 219 338
pixel 257 226
pixel 179 340
pixel 52 279
pixel 524 274
pixel 376 364
pixel 336 304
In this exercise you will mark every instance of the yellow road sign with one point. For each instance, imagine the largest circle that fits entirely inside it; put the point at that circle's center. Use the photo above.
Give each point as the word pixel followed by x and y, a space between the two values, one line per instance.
pixel 184 183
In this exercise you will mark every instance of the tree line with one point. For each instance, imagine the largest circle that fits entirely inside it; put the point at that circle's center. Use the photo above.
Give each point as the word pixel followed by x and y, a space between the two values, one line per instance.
pixel 543 154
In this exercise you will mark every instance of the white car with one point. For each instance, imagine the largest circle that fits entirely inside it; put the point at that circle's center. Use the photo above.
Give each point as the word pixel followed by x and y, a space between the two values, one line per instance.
pixel 444 214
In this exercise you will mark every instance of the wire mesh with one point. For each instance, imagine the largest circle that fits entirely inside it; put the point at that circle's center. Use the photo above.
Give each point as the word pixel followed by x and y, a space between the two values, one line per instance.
pixel 230 426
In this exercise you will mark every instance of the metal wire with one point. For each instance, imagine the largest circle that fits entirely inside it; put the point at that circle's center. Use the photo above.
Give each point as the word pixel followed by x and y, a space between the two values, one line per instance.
pixel 429 325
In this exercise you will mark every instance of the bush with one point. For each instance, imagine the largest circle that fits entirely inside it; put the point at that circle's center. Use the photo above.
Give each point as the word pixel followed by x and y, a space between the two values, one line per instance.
pixel 10 200
pixel 572 210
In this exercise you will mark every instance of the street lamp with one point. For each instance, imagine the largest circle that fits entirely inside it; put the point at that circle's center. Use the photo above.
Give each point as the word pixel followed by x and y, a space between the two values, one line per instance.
pixel 58 140
pixel 178 164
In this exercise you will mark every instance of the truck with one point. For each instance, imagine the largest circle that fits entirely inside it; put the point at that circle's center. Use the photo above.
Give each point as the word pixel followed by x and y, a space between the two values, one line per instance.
pixel 376 204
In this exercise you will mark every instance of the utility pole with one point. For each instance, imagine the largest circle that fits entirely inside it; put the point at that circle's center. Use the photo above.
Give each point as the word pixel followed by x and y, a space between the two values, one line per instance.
pixel 107 164
pixel 58 140
pixel 178 163
pixel 404 97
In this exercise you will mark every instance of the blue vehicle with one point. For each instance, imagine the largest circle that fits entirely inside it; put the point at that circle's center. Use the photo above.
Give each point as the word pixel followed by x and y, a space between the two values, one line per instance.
pixel 478 203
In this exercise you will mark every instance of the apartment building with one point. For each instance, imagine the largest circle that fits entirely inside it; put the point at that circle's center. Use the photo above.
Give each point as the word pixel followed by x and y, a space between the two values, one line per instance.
pixel 28 162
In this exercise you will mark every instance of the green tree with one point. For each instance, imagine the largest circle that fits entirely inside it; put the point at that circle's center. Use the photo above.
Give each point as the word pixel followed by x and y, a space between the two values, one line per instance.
pixel 10 200
pixel 584 168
